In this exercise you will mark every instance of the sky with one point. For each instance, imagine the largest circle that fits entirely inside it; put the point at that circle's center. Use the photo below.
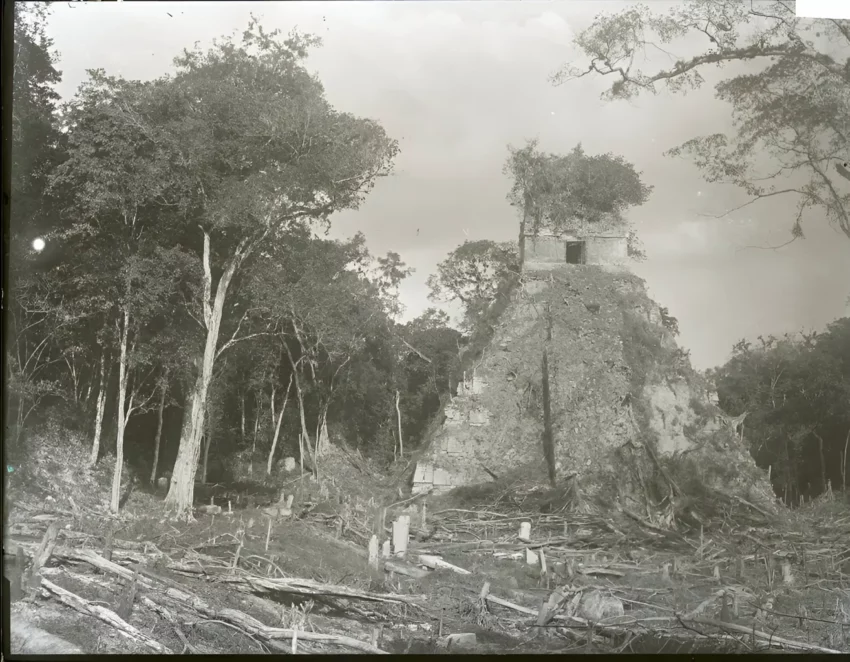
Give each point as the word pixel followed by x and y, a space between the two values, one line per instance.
pixel 457 82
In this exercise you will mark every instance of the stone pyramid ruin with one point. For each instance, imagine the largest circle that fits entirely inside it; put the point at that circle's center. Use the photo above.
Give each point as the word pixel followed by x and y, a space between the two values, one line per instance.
pixel 580 382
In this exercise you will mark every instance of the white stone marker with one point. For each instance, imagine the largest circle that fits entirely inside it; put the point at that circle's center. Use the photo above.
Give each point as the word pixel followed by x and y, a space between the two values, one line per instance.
pixel 385 549
pixel 525 531
pixel 401 532
pixel 373 552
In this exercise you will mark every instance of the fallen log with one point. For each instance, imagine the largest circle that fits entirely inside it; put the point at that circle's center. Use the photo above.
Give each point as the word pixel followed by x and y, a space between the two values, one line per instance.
pixel 406 569
pixel 766 637
pixel 270 634
pixel 106 615
pixel 42 555
pixel 310 588
pixel 251 584
pixel 436 562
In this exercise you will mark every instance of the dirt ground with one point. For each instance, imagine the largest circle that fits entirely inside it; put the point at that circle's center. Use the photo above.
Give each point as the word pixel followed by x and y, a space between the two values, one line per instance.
pixel 246 582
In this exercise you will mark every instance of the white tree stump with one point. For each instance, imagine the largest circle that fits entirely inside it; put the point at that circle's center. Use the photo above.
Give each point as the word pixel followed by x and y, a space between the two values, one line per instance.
pixel 373 552
pixel 401 533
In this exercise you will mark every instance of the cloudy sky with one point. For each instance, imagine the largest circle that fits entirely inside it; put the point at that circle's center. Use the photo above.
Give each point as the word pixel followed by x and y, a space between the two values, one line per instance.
pixel 455 83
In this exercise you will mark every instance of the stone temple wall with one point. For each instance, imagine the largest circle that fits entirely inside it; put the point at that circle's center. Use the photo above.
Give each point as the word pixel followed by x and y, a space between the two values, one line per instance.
pixel 602 324
pixel 494 424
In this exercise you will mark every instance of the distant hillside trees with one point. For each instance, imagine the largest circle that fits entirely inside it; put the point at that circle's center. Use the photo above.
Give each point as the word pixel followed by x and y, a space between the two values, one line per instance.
pixel 797 392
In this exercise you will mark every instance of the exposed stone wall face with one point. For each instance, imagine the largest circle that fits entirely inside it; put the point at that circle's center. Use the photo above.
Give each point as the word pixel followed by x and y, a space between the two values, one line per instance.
pixel 549 252
pixel 495 423
pixel 496 419
pixel 545 252
pixel 607 250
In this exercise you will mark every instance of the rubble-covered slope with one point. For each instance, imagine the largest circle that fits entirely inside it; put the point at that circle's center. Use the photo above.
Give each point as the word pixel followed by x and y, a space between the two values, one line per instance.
pixel 630 419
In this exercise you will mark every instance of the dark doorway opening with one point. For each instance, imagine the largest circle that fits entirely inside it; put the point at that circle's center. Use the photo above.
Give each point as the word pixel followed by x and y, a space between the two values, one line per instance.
pixel 575 252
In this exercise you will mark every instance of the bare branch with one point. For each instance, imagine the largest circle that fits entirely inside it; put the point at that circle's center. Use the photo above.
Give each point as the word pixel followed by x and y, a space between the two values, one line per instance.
pixel 770 248
pixel 752 201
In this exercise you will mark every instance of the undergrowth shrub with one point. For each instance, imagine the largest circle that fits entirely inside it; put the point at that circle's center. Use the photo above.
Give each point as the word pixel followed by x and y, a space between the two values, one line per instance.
pixel 52 461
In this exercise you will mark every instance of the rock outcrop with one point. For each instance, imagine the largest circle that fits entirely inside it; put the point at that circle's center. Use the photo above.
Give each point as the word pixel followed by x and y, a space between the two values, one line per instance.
pixel 629 419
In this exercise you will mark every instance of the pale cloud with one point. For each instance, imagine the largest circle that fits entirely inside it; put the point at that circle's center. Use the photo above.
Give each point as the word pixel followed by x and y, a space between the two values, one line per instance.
pixel 696 237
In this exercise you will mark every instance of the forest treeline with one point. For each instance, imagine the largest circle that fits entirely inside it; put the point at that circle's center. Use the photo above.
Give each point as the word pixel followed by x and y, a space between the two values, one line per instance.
pixel 185 296
pixel 187 303
pixel 795 392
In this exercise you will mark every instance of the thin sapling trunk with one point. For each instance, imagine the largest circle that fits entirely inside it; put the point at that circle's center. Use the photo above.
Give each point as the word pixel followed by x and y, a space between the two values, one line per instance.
pixel 277 427
pixel 163 389
pixel 98 417
pixel 398 417
pixel 124 409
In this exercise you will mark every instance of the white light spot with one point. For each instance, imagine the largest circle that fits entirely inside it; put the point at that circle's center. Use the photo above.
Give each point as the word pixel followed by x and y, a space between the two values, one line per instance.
pixel 38 244
pixel 699 194
pixel 553 112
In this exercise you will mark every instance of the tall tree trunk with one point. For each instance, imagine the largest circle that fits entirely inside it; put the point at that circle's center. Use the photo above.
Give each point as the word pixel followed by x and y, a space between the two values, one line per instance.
pixel 822 461
pixel 257 416
pixel 182 488
pixel 398 416
pixel 163 389
pixel 522 228
pixel 87 397
pixel 322 437
pixel 305 436
pixel 277 427
pixel 272 417
pixel 123 407
pixel 844 463
pixel 98 417
pixel 242 410
pixel 208 437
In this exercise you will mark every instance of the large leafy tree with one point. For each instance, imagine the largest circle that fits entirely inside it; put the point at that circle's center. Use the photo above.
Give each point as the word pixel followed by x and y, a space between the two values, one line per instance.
pixel 35 319
pixel 471 275
pixel 427 383
pixel 36 140
pixel 791 117
pixel 244 147
pixel 319 308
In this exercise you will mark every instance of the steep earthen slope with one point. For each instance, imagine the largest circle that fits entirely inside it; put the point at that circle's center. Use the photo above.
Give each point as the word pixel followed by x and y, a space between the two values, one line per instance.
pixel 629 419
